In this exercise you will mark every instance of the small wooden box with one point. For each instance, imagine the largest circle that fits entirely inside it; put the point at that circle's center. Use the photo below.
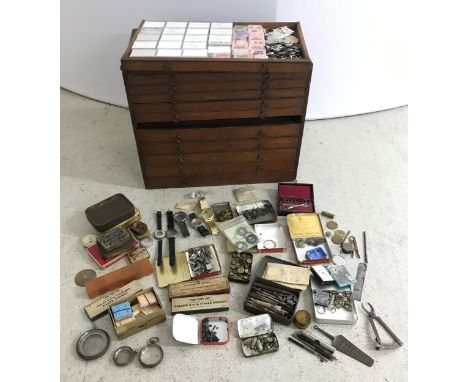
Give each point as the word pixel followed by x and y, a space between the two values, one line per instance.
pixel 217 121
pixel 131 327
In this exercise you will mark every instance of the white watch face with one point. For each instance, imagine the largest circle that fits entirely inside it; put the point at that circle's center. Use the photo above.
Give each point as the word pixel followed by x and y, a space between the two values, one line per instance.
pixel 159 234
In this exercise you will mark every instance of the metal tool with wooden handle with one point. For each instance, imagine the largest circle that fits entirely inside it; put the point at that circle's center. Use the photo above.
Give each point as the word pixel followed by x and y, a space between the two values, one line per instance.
pixel 343 345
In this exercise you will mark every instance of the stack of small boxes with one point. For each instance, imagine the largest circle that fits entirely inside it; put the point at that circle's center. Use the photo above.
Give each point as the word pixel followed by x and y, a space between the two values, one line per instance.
pixel 248 41
pixel 183 39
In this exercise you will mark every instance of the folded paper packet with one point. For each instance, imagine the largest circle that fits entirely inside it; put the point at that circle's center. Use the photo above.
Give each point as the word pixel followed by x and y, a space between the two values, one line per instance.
pixel 304 225
pixel 289 274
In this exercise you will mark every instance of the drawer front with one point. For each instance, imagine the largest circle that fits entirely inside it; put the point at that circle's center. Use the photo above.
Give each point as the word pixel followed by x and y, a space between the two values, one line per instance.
pixel 220 179
pixel 211 115
pixel 231 158
pixel 164 148
pixel 218 95
pixel 218 106
pixel 182 87
pixel 216 168
pixel 181 135
pixel 164 78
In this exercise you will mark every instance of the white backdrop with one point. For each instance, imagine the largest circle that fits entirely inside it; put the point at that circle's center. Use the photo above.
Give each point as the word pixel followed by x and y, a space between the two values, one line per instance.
pixel 358 47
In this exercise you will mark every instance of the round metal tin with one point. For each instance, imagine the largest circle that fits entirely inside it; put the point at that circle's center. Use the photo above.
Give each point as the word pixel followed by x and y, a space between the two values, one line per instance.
pixel 82 277
pixel 302 319
pixel 92 344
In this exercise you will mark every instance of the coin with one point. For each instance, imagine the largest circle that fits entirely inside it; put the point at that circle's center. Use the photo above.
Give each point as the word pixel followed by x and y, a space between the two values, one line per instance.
pixel 332 225
pixel 347 248
pixel 337 239
pixel 240 270
pixel 339 232
pixel 82 277
pixel 89 240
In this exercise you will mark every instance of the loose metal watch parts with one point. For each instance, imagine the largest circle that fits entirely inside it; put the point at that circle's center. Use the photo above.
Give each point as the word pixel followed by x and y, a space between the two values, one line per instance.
pixel 149 355
pixel 171 234
pixel 82 277
pixel 92 344
pixel 180 218
pixel 241 267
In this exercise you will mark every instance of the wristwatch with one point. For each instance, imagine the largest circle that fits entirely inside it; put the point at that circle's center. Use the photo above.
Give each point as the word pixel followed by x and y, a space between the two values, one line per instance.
pixel 171 234
pixel 180 218
pixel 198 224
pixel 159 235
pixel 207 214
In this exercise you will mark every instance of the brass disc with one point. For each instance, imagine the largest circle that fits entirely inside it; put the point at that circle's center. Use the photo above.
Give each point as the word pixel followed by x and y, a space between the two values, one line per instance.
pixel 347 248
pixel 82 277
pixel 337 239
pixel 339 232
pixel 332 225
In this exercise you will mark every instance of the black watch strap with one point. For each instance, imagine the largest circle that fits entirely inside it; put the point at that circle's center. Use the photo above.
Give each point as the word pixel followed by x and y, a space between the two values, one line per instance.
pixel 158 220
pixel 172 251
pixel 160 242
pixel 170 220
pixel 184 229
pixel 170 225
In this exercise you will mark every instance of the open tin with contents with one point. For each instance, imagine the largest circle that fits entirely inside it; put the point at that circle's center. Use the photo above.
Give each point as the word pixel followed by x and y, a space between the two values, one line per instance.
pixel 332 305
pixel 256 334
pixel 211 330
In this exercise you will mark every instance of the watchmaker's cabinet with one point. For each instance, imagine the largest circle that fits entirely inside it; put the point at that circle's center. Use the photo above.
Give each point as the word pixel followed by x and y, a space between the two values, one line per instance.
pixel 217 121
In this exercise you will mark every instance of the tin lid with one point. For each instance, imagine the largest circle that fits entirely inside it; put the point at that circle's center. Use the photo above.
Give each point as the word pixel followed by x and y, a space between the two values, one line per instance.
pixel 185 329
pixel 254 326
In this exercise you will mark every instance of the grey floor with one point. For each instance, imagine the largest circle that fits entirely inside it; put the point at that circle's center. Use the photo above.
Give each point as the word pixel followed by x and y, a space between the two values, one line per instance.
pixel 358 166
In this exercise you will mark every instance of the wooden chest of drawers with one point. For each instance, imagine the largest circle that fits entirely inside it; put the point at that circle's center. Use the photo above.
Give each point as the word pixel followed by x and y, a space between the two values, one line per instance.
pixel 203 121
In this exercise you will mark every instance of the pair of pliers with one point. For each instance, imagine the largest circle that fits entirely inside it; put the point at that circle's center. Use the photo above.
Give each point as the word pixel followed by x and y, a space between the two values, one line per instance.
pixel 378 341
